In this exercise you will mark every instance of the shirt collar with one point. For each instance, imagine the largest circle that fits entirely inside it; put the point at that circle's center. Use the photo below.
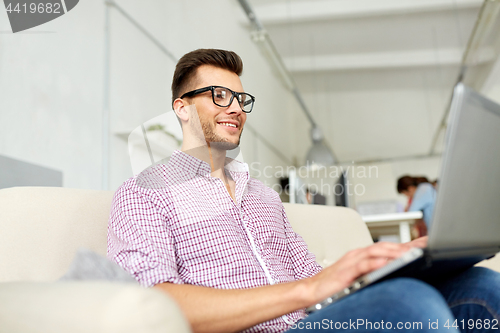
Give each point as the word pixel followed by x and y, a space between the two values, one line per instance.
pixel 195 166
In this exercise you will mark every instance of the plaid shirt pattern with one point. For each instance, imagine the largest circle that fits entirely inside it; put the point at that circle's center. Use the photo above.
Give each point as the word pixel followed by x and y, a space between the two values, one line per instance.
pixel 176 223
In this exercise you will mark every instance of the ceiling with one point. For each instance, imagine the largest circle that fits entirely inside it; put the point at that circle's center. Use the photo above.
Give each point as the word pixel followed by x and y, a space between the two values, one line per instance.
pixel 376 74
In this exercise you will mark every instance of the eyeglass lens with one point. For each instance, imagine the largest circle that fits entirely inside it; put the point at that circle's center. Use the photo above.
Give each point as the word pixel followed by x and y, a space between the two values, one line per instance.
pixel 223 96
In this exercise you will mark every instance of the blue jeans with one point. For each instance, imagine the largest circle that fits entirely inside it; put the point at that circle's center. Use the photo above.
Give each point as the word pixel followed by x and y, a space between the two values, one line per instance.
pixel 467 302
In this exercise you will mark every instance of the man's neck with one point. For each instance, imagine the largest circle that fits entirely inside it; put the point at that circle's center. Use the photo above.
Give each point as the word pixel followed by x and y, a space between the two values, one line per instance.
pixel 216 158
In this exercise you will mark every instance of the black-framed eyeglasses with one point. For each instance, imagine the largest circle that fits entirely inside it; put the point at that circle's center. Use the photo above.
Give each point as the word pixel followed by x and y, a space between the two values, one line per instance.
pixel 223 97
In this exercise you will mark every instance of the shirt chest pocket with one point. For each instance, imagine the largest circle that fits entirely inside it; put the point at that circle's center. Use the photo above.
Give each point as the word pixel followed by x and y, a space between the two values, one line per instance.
pixel 208 239
pixel 268 225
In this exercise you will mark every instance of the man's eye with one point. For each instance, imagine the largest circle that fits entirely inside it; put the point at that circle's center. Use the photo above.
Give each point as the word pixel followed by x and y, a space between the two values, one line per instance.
pixel 220 94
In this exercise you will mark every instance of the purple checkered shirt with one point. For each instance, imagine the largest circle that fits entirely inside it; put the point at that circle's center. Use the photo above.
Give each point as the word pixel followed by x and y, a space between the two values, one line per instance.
pixel 176 223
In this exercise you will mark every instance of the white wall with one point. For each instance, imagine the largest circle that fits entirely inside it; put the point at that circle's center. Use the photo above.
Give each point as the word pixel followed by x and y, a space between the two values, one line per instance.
pixel 51 94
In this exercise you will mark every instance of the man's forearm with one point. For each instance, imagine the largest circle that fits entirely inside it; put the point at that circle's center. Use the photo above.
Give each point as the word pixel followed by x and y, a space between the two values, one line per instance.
pixel 222 310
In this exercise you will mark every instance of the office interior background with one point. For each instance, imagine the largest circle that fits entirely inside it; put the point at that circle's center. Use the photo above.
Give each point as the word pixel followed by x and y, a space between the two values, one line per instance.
pixel 376 76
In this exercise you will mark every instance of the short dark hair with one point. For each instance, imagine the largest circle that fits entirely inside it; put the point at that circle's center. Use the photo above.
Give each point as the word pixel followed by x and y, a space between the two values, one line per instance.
pixel 186 67
pixel 406 181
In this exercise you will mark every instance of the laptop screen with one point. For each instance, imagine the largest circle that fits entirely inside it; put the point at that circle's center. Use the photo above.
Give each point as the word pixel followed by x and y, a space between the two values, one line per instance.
pixel 467 211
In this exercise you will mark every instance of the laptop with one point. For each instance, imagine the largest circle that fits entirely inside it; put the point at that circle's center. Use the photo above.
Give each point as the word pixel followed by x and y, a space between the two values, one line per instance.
pixel 466 221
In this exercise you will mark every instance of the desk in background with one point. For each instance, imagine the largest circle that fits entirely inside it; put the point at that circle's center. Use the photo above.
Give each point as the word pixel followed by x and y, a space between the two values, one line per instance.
pixel 389 222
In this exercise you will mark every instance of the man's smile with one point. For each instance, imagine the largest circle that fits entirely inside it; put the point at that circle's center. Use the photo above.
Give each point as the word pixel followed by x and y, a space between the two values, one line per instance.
pixel 230 125
pixel 227 124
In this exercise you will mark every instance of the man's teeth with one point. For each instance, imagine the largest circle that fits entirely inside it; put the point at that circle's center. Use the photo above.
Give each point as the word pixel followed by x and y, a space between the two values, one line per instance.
pixel 228 124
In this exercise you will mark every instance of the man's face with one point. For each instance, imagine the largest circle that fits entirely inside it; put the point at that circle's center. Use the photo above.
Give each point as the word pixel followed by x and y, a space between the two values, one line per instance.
pixel 219 124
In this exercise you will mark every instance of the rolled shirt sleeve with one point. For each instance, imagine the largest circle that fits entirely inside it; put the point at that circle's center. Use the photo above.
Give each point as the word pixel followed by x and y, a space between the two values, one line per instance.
pixel 139 238
pixel 305 264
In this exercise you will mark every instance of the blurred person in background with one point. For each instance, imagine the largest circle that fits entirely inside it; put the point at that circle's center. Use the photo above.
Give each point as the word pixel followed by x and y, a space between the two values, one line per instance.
pixel 421 195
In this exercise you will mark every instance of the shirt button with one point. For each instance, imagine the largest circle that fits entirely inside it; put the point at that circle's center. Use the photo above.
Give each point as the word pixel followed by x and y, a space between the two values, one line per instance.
pixel 287 320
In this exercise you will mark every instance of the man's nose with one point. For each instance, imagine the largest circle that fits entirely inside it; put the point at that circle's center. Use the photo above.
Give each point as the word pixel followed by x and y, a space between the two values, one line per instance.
pixel 234 107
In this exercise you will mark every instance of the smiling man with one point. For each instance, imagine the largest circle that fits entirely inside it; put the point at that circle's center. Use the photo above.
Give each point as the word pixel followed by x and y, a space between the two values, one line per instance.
pixel 211 112
pixel 219 242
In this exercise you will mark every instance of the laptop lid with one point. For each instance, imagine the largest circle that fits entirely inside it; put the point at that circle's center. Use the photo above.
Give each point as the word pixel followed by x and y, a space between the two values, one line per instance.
pixel 467 212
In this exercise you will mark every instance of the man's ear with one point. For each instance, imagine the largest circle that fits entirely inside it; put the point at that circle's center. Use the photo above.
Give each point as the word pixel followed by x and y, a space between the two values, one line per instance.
pixel 180 109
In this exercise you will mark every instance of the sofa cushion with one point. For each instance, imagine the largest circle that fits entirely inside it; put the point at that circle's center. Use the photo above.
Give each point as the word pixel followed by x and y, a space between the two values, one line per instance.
pixel 89 265
pixel 42 227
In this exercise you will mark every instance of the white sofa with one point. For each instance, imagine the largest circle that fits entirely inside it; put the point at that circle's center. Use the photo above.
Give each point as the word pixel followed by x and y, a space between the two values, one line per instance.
pixel 42 228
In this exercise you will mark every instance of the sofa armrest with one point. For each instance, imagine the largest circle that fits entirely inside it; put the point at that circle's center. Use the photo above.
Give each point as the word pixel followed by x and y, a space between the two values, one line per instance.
pixel 90 307
pixel 493 263
pixel 329 231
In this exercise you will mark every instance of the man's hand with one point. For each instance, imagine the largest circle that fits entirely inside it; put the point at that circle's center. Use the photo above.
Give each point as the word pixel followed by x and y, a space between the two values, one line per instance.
pixel 355 264
pixel 419 242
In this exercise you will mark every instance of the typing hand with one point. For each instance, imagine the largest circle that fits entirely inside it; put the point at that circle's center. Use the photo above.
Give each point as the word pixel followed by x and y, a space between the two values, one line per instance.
pixel 419 242
pixel 355 264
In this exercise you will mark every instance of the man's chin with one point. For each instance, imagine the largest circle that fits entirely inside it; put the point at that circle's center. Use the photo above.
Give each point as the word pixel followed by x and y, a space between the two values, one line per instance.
pixel 224 145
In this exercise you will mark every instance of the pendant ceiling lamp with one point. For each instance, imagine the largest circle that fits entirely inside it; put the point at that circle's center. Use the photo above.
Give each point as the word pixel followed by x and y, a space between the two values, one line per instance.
pixel 319 155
